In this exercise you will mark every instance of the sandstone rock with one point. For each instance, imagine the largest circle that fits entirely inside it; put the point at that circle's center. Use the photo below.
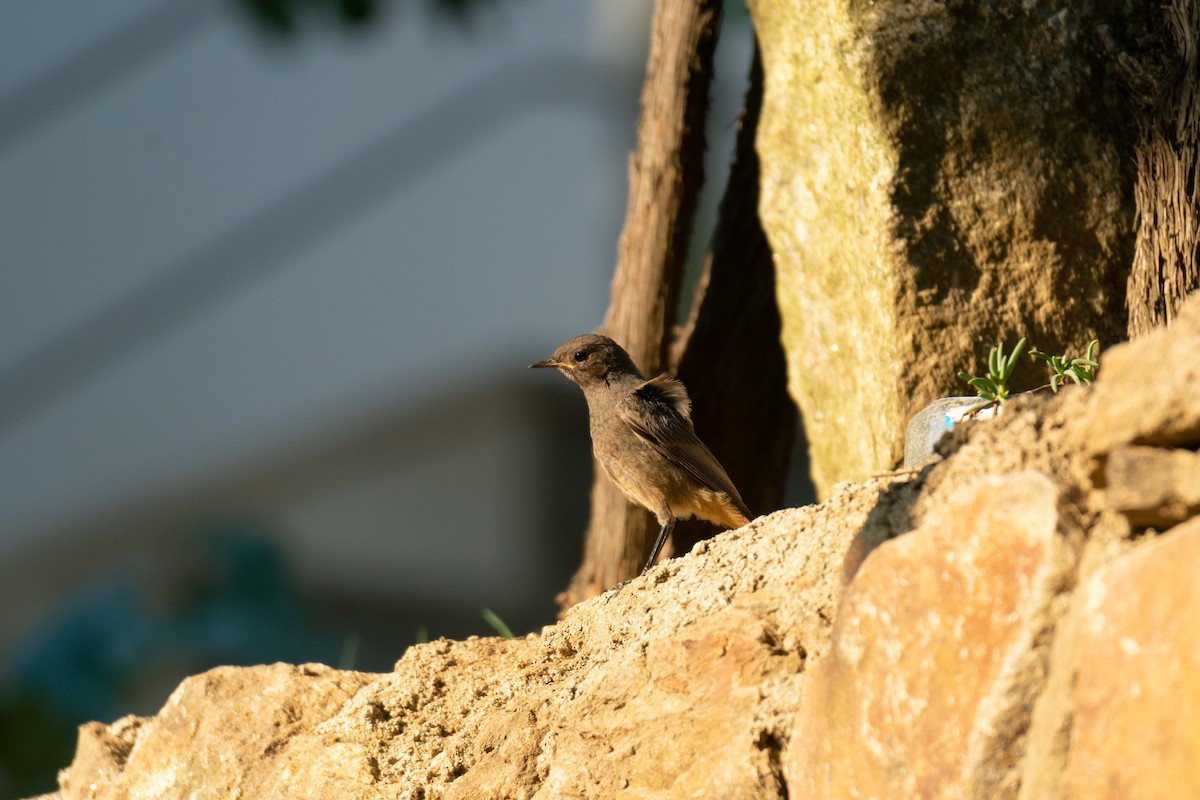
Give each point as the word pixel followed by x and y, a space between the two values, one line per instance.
pixel 716 676
pixel 228 732
pixel 1125 410
pixel 1153 485
pixel 936 177
pixel 678 686
pixel 937 653
pixel 1137 691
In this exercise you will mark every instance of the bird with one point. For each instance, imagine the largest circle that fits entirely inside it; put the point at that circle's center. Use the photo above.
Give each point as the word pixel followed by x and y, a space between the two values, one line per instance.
pixel 642 435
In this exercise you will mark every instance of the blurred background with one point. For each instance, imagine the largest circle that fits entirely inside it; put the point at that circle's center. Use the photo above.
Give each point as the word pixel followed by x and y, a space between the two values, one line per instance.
pixel 271 272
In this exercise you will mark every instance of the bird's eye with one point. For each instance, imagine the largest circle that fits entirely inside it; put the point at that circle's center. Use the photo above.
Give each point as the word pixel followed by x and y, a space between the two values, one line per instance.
pixel 580 355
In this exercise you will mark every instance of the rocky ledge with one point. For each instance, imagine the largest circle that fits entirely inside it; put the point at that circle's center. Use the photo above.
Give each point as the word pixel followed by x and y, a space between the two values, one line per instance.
pixel 1017 620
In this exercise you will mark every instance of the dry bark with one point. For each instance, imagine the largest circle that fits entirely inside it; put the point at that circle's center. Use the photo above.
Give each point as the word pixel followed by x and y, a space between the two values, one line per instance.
pixel 1166 85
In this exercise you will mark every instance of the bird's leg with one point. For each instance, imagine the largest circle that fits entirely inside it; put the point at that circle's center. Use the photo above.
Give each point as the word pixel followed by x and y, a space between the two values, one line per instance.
pixel 667 526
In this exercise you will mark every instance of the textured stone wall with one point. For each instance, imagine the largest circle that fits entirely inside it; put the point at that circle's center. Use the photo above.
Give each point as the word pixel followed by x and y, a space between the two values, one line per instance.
pixel 937 176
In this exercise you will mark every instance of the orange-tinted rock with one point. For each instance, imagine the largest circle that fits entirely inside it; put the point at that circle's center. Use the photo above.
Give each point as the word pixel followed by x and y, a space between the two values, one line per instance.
pixel 1156 486
pixel 1145 392
pixel 936 655
pixel 225 733
pixel 680 685
pixel 1137 692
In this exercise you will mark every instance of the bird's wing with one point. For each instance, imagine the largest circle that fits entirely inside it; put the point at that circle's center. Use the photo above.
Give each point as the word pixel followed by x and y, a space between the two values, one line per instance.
pixel 660 412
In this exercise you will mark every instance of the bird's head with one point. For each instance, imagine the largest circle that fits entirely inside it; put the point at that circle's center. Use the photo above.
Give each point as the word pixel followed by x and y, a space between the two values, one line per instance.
pixel 590 359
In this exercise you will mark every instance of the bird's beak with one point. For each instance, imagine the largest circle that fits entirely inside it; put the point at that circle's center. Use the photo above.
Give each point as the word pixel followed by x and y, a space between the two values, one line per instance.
pixel 547 364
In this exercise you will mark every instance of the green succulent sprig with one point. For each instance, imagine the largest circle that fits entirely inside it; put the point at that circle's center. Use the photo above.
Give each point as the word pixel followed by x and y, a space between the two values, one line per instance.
pixel 1080 370
pixel 992 388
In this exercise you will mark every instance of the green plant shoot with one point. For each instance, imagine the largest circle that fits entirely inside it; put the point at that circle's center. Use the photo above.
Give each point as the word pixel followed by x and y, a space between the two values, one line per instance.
pixel 1080 370
pixel 992 388
pixel 497 624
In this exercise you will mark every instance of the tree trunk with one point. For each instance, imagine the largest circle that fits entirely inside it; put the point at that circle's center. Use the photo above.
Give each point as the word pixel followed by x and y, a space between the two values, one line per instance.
pixel 1166 85
pixel 666 174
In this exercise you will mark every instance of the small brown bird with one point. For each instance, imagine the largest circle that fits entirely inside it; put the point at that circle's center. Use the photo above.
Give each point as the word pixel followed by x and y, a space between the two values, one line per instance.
pixel 642 435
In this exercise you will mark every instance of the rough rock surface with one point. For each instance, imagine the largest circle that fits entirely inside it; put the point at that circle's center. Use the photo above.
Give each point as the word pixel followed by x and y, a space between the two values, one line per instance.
pixel 228 732
pixel 679 685
pixel 927 697
pixel 1006 631
pixel 937 176
pixel 1134 732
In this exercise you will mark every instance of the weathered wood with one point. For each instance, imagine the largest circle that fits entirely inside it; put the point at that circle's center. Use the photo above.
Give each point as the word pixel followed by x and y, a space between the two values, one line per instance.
pixel 1166 85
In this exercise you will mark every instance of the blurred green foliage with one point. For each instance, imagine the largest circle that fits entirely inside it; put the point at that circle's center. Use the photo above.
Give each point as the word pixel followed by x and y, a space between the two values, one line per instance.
pixel 285 17
pixel 115 645
pixel 36 740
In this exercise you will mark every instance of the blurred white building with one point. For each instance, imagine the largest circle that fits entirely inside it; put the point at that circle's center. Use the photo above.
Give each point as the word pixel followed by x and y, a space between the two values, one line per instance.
pixel 290 288
pixel 298 282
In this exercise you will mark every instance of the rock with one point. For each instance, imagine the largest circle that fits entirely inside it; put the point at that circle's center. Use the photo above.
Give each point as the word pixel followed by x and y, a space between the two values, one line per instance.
pixel 916 635
pixel 1119 413
pixel 226 733
pixel 1137 691
pixel 1153 486
pixel 936 177
pixel 677 686
pixel 937 653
